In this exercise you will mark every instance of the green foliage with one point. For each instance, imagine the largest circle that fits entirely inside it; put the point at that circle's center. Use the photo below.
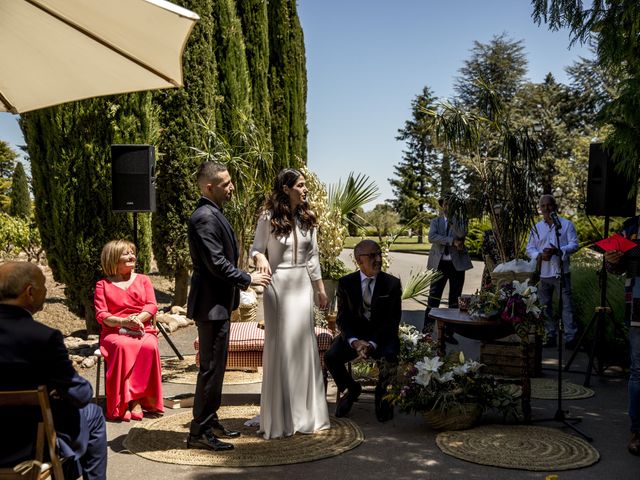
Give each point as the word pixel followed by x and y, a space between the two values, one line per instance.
pixel 7 164
pixel 233 86
pixel 250 165
pixel 418 285
pixel 19 236
pixel 383 219
pixel 420 175
pixel 180 115
pixel 475 235
pixel 585 288
pixel 7 160
pixel 69 149
pixel 613 26
pixel 19 195
pixel 352 196
pixel 287 84
pixel 253 17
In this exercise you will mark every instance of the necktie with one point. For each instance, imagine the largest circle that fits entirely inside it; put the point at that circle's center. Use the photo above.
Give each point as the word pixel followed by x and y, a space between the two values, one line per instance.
pixel 446 247
pixel 366 296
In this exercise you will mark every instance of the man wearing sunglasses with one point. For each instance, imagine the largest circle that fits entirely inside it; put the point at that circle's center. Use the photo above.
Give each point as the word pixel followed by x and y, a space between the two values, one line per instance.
pixel 369 311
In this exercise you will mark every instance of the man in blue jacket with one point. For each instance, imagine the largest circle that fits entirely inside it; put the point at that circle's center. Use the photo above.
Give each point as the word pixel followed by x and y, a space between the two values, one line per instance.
pixel 32 354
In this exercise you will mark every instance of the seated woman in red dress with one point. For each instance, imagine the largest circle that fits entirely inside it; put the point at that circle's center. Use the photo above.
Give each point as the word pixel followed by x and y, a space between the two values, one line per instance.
pixel 125 304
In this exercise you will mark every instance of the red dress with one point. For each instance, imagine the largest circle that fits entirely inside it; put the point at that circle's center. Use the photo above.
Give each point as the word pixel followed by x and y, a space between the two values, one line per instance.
pixel 132 363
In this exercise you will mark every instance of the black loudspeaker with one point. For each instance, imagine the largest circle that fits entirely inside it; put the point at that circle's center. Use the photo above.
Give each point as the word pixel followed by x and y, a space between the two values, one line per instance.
pixel 133 170
pixel 607 190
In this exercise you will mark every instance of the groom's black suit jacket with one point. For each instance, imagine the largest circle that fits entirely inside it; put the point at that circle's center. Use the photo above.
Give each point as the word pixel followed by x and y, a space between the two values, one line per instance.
pixel 216 279
pixel 386 310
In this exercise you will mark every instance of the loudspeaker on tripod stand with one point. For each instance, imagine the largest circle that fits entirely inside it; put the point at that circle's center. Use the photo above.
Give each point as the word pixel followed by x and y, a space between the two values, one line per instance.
pixel 133 178
pixel 607 190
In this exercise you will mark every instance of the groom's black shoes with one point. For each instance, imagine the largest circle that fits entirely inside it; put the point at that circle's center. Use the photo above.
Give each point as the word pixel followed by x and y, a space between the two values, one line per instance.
pixel 219 430
pixel 346 401
pixel 208 441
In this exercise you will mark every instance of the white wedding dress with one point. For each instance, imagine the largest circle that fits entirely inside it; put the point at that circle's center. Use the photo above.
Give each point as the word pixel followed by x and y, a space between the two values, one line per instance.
pixel 293 395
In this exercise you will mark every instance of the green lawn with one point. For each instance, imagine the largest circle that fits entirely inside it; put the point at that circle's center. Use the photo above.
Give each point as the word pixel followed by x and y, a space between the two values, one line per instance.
pixel 402 243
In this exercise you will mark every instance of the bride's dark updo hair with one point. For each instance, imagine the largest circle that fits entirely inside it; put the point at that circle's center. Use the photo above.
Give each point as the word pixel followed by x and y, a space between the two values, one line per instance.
pixel 282 217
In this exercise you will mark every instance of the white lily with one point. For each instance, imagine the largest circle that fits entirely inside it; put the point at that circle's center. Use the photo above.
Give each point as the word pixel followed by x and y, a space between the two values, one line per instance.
pixel 429 364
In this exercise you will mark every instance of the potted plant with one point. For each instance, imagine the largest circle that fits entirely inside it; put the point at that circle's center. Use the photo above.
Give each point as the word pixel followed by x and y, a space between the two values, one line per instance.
pixel 450 392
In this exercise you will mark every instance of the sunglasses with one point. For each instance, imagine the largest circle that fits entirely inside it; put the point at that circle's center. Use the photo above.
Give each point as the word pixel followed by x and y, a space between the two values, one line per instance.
pixel 372 255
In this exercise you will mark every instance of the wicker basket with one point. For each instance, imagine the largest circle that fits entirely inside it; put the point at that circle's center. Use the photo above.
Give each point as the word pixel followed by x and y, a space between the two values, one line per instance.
pixel 458 417
pixel 246 312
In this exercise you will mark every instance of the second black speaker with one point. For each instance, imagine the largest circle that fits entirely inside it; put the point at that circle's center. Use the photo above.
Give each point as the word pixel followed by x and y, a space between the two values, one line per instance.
pixel 607 190
pixel 133 178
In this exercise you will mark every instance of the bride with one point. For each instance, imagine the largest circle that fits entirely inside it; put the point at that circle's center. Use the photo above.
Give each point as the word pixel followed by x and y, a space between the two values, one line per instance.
pixel 293 396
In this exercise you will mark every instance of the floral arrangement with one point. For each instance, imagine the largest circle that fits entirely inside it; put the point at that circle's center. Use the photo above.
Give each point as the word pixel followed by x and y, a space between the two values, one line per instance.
pixel 515 303
pixel 331 231
pixel 425 381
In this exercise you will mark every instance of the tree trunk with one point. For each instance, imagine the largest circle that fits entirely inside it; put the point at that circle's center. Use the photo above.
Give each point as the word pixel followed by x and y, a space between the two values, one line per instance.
pixel 182 287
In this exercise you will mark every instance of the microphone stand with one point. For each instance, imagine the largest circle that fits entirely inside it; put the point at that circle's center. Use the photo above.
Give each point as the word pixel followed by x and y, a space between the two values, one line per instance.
pixel 560 415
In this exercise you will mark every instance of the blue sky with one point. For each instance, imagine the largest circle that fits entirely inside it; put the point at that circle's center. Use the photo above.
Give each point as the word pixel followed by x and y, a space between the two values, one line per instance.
pixel 367 60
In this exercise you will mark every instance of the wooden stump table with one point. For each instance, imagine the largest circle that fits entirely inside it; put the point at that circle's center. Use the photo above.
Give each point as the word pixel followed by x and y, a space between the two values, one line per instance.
pixel 481 329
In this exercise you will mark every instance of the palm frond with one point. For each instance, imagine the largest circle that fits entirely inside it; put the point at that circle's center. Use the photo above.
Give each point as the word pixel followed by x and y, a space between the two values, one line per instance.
pixel 355 193
pixel 419 283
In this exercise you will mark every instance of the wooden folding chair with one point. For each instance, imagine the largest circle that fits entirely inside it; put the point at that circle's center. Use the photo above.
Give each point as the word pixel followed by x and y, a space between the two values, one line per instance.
pixel 36 468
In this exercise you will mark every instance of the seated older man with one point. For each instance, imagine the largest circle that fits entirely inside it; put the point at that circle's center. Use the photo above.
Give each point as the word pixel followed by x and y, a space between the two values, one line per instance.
pixel 32 354
pixel 369 311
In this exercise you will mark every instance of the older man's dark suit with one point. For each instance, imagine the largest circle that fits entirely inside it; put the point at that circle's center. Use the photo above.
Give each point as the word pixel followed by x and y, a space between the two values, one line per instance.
pixel 213 296
pixel 381 328
pixel 32 354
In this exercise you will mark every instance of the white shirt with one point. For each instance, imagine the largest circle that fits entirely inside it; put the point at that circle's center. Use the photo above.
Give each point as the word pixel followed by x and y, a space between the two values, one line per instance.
pixel 545 238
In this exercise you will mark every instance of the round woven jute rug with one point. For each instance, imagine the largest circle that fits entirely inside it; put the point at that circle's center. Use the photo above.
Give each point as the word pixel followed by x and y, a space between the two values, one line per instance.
pixel 165 440
pixel 520 447
pixel 547 389
pixel 185 371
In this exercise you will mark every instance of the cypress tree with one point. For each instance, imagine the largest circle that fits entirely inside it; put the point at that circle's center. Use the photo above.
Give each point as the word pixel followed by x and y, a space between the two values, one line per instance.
pixel 233 86
pixel 69 149
pixel 297 85
pixel 20 201
pixel 287 84
pixel 181 113
pixel 253 17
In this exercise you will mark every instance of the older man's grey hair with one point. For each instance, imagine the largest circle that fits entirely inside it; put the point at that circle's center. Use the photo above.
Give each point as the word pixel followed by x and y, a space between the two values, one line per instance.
pixel 547 196
pixel 15 276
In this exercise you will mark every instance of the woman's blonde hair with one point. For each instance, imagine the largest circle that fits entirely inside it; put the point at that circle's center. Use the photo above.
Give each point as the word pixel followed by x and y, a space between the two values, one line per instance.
pixel 111 253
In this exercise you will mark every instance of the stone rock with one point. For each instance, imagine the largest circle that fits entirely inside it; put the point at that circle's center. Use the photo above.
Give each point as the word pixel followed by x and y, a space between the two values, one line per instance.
pixel 88 362
pixel 177 310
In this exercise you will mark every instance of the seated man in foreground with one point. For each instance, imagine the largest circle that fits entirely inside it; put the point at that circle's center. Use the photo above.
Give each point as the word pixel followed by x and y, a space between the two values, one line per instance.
pixel 369 311
pixel 32 354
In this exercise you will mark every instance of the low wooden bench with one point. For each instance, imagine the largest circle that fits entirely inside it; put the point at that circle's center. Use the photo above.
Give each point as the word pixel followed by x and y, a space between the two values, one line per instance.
pixel 246 344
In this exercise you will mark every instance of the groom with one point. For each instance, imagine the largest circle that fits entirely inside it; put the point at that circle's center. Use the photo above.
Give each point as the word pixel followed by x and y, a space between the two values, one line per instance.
pixel 369 311
pixel 214 294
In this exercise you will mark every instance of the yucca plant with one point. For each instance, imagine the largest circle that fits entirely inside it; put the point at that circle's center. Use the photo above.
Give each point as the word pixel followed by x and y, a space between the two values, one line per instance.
pixel 417 287
pixel 504 158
